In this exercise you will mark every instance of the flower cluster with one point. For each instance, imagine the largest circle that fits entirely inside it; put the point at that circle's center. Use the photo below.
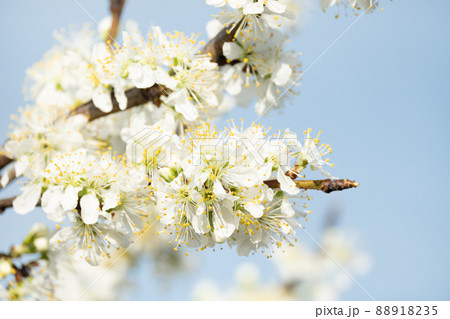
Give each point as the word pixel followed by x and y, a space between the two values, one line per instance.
pixel 43 132
pixel 203 186
pixel 355 5
pixel 258 65
pixel 252 17
pixel 58 276
pixel 261 68
pixel 305 273
pixel 103 198
pixel 214 186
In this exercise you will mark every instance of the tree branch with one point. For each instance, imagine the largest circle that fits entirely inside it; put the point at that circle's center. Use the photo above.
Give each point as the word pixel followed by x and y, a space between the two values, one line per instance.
pixel 152 94
pixel 116 7
pixel 135 98
pixel 214 47
pixel 324 185
pixel 4 160
pixel 6 203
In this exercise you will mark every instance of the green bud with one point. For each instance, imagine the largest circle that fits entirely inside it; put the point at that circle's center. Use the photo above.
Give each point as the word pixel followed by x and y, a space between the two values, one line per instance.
pixel 168 173
pixel 37 231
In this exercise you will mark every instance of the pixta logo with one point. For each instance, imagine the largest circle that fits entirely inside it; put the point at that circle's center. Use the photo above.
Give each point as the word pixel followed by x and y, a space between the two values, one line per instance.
pixel 149 149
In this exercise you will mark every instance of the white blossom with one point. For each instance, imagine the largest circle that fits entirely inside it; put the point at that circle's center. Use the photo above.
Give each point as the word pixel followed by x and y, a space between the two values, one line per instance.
pixel 251 17
pixel 40 134
pixel 302 273
pixel 197 87
pixel 163 162
pixel 356 5
pixel 92 242
pixel 310 152
pixel 260 68
pixel 143 62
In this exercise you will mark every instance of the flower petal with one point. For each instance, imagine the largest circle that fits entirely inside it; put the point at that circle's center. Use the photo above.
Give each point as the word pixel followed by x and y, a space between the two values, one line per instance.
pixel 51 203
pixel 27 201
pixel 286 183
pixel 111 197
pixel 254 8
pixel 219 191
pixel 180 100
pixel 69 199
pixel 102 99
pixel 276 6
pixel 142 76
pixel 256 210
pixel 61 237
pixel 282 74
pixel 89 208
pixel 232 51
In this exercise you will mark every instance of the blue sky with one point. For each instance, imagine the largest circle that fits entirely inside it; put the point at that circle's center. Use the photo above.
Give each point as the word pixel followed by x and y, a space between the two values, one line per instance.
pixel 381 96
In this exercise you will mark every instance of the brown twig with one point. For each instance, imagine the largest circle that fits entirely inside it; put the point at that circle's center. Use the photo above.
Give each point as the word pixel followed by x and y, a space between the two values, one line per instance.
pixel 4 160
pixel 116 7
pixel 22 271
pixel 6 203
pixel 135 97
pixel 214 48
pixel 324 185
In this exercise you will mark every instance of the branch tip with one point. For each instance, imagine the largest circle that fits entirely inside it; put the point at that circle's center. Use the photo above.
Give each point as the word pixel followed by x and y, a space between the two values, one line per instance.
pixel 332 185
pixel 324 185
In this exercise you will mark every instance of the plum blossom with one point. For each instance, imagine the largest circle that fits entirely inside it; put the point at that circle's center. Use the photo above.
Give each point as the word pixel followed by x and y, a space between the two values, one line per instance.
pixel 310 152
pixel 91 242
pixel 197 88
pixel 142 63
pixel 356 5
pixel 260 68
pixel 251 17
pixel 40 134
pixel 102 77
pixel 95 184
pixel 101 177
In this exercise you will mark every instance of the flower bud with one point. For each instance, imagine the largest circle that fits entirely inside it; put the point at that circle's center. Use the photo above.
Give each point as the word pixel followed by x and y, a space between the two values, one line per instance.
pixel 18 251
pixel 37 231
pixel 302 161
pixel 41 244
pixel 6 268
pixel 168 173
pixel 247 275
